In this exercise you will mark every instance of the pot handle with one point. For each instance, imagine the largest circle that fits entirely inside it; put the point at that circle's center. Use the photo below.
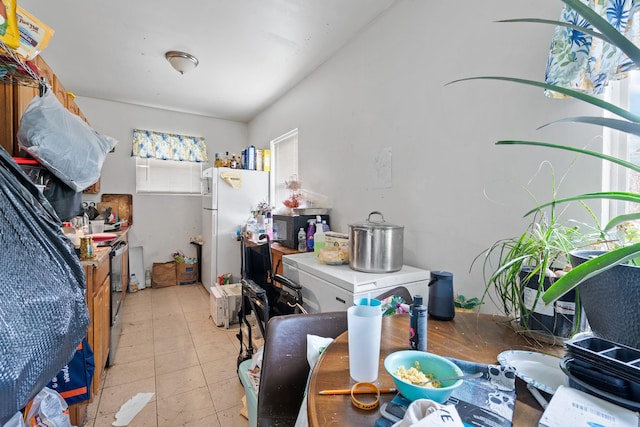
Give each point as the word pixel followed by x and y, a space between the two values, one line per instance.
pixel 375 213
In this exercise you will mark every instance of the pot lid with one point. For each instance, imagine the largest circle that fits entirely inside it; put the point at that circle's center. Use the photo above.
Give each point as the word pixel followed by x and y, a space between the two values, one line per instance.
pixel 380 224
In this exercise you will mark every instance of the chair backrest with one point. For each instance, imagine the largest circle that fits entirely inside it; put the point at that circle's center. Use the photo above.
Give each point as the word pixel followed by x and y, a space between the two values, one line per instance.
pixel 400 291
pixel 284 363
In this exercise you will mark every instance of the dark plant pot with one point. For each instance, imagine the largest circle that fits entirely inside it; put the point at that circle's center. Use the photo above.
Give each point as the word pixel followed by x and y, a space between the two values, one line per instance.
pixel 610 301
pixel 557 320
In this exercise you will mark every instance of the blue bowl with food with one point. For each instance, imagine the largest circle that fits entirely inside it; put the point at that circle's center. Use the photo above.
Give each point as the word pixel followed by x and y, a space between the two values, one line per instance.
pixel 411 368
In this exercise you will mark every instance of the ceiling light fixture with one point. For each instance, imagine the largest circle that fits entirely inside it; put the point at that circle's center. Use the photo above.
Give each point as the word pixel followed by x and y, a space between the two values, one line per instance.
pixel 182 62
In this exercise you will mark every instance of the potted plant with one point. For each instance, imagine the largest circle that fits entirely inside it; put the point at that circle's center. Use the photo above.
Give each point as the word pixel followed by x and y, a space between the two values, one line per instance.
pixel 462 303
pixel 604 274
pixel 518 270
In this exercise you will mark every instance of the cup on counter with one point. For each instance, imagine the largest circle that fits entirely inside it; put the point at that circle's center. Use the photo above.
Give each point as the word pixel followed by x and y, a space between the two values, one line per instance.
pixel 97 226
pixel 364 325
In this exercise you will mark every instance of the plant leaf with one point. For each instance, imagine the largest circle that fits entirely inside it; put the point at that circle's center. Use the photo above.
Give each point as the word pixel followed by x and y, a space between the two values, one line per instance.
pixel 590 99
pixel 620 219
pixel 609 32
pixel 596 154
pixel 621 125
pixel 558 24
pixel 589 269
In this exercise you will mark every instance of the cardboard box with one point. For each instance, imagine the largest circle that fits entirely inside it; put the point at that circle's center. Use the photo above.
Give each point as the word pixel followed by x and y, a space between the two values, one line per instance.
pixel 225 302
pixel 186 274
pixel 163 274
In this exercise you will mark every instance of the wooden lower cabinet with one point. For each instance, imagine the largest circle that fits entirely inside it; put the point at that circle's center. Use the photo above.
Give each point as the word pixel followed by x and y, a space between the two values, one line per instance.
pixel 98 300
pixel 277 252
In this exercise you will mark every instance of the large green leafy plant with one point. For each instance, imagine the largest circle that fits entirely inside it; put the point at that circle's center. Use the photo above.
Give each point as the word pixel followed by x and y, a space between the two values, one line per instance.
pixel 625 122
pixel 533 260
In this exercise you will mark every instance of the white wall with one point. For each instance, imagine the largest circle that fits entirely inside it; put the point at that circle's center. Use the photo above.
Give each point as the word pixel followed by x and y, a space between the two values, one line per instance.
pixel 162 224
pixel 452 189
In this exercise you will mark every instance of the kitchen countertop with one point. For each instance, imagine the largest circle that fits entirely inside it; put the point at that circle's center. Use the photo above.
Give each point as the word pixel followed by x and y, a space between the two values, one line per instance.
pixel 102 252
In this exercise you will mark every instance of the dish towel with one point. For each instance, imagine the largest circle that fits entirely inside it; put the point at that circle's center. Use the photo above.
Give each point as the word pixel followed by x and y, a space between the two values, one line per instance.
pixel 485 401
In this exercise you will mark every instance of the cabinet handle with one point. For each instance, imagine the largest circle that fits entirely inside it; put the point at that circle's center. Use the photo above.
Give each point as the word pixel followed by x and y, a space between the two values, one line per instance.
pixel 341 300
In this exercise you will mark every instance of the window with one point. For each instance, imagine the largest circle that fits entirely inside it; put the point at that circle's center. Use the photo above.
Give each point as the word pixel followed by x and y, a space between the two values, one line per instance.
pixel 626 94
pixel 168 163
pixel 284 164
pixel 167 176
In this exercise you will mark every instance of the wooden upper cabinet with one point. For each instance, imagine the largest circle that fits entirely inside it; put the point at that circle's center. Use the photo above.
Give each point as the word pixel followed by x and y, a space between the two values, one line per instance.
pixel 15 98
pixel 45 71
pixel 59 91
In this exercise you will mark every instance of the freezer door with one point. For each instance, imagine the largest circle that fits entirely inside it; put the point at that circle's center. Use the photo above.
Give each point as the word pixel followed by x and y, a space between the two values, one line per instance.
pixel 320 295
pixel 209 188
pixel 209 247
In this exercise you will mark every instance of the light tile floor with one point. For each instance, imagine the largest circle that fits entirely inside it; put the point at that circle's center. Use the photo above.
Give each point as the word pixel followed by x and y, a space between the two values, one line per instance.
pixel 170 346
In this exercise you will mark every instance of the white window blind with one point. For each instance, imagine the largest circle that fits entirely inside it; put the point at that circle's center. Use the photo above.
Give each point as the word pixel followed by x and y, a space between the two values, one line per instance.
pixel 167 176
pixel 284 164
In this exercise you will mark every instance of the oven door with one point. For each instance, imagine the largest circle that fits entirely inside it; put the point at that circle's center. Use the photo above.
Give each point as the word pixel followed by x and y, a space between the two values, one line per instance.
pixel 118 250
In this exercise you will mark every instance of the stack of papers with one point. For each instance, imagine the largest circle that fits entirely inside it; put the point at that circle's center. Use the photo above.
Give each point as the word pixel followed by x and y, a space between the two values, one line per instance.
pixel 571 407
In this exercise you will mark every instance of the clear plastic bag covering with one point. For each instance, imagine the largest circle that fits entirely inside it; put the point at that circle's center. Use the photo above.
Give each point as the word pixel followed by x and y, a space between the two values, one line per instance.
pixel 63 142
pixel 43 313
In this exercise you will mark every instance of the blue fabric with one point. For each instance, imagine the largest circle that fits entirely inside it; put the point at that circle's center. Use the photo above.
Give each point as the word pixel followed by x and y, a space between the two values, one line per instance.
pixel 168 146
pixel 73 382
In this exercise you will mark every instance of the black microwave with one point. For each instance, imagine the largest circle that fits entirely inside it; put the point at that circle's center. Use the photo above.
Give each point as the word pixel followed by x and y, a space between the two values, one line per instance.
pixel 286 228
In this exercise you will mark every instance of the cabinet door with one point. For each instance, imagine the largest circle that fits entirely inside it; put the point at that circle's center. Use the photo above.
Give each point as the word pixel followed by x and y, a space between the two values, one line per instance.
pixel 125 276
pixel 6 117
pixel 101 330
pixel 44 70
pixel 59 91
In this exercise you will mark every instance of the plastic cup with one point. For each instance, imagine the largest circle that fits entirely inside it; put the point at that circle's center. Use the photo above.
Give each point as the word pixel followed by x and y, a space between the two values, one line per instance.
pixel 364 325
pixel 97 227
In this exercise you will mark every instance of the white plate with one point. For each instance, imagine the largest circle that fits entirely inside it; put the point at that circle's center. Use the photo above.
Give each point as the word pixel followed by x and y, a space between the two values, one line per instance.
pixel 540 370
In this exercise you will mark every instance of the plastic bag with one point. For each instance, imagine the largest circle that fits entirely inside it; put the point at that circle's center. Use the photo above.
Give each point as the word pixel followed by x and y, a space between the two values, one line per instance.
pixel 9 33
pixel 315 346
pixel 48 409
pixel 43 310
pixel 15 421
pixel 34 35
pixel 63 142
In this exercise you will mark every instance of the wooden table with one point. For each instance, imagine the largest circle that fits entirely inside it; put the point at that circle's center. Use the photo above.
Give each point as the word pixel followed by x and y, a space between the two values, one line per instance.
pixel 469 336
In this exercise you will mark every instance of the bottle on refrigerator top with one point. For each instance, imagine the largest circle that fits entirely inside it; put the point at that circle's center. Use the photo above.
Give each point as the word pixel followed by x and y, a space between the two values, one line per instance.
pixel 318 237
pixel 302 240
pixel 266 160
pixel 251 157
pixel 311 229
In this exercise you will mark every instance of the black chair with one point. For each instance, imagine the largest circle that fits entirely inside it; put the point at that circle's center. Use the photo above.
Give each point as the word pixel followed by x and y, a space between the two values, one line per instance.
pixel 400 291
pixel 284 372
pixel 264 293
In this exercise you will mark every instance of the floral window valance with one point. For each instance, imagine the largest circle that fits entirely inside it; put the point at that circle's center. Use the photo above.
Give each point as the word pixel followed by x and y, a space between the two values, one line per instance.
pixel 168 146
pixel 582 62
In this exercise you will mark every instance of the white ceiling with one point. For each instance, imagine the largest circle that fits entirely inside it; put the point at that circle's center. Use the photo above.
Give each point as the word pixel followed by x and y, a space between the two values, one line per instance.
pixel 251 52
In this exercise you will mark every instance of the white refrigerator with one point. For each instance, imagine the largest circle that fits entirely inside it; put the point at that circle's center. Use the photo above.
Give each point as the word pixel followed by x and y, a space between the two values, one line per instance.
pixel 228 196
